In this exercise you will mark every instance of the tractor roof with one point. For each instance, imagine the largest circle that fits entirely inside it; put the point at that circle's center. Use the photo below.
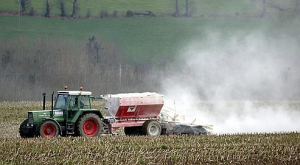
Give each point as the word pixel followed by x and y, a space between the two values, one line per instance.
pixel 75 92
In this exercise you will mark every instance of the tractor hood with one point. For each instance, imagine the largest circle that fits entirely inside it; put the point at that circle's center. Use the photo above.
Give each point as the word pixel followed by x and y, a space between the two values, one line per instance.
pixel 38 115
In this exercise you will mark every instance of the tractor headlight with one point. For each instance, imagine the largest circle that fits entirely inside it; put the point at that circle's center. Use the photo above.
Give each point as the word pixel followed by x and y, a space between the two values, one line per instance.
pixel 30 118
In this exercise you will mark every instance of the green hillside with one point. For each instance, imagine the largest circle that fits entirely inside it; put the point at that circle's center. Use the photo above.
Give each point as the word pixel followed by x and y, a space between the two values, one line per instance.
pixel 141 39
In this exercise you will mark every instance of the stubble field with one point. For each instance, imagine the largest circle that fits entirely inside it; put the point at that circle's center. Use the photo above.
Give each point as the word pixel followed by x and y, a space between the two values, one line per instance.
pixel 264 148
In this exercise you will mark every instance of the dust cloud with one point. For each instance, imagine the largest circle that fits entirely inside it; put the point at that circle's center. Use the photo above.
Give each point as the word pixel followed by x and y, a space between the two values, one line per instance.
pixel 241 84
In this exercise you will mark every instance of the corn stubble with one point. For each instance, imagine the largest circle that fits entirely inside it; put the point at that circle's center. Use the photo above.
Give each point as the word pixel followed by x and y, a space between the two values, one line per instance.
pixel 240 148
pixel 276 148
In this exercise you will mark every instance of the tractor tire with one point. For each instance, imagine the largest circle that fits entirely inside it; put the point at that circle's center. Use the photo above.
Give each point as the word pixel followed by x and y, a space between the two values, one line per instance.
pixel 133 131
pixel 151 128
pixel 48 129
pixel 89 125
pixel 24 133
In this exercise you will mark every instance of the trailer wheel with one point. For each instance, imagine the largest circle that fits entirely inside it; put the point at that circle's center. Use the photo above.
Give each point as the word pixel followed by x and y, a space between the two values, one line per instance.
pixel 48 129
pixel 151 128
pixel 24 133
pixel 89 125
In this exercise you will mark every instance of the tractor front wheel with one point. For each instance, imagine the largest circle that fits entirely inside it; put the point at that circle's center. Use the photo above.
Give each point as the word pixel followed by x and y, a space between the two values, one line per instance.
pixel 24 132
pixel 89 125
pixel 48 129
pixel 151 128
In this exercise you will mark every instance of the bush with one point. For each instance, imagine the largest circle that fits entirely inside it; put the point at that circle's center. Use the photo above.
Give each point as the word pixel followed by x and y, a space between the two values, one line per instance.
pixel 104 14
pixel 88 14
pixel 31 12
pixel 129 13
pixel 115 14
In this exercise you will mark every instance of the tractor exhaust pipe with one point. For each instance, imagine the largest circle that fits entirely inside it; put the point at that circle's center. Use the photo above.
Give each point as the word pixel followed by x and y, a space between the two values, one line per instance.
pixel 51 114
pixel 44 101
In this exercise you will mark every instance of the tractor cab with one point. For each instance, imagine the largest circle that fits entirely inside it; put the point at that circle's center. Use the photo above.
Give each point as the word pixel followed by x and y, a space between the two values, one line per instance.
pixel 72 100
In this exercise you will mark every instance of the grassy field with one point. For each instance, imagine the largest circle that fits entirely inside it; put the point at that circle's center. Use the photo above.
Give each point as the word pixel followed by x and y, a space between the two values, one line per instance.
pixel 156 6
pixel 143 40
pixel 140 39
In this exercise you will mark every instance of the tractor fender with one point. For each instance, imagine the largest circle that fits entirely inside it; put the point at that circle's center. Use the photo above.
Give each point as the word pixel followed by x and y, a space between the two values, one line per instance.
pixel 60 130
pixel 97 112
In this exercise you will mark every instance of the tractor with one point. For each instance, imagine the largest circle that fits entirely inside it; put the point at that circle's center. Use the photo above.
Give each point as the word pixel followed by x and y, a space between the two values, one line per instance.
pixel 72 115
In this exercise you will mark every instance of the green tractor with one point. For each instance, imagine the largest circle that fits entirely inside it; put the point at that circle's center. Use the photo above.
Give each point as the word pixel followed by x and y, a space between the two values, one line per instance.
pixel 71 114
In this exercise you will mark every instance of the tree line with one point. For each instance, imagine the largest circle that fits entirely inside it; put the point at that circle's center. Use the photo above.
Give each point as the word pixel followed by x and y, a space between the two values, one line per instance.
pixel 26 8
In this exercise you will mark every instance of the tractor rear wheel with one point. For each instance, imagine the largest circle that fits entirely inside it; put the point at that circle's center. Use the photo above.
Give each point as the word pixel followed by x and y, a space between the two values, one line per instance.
pixel 24 133
pixel 89 125
pixel 48 129
pixel 151 128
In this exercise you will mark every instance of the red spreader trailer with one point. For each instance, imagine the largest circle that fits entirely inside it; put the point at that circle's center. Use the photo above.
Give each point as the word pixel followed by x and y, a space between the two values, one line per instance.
pixel 138 113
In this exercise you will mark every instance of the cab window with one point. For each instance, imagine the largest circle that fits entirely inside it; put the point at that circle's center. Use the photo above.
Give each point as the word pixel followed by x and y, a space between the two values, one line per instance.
pixel 74 102
pixel 85 102
pixel 82 102
pixel 61 102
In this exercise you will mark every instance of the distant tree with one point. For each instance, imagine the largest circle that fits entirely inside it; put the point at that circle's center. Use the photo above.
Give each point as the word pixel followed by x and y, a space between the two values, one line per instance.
pixel 74 11
pixel 62 8
pixel 88 14
pixel 6 59
pixel 93 49
pixel 187 8
pixel 47 13
pixel 115 14
pixel 31 12
pixel 25 5
pixel 297 5
pixel 129 13
pixel 274 5
pixel 104 14
pixel 278 7
pixel 176 9
pixel 264 8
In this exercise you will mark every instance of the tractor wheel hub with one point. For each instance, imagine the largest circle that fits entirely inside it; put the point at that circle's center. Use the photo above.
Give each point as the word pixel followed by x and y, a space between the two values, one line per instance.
pixel 48 131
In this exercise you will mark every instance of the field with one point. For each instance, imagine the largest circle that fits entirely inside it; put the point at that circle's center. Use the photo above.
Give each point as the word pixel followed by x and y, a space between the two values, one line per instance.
pixel 141 40
pixel 136 37
pixel 213 149
pixel 156 6
pixel 264 148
